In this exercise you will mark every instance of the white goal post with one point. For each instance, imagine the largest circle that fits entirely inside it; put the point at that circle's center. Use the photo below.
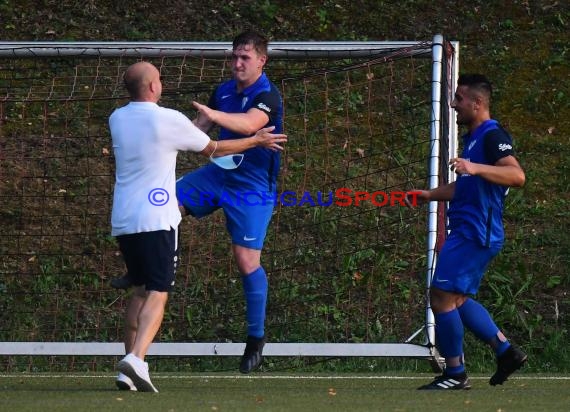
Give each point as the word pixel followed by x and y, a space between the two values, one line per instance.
pixel 445 66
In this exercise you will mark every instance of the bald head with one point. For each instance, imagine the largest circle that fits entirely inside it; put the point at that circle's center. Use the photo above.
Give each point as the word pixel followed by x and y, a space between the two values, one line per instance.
pixel 142 81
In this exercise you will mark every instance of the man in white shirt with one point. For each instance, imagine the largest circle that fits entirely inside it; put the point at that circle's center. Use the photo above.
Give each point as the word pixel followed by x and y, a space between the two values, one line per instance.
pixel 145 217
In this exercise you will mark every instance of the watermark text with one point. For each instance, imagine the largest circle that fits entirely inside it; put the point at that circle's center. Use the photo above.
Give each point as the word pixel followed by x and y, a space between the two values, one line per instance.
pixel 342 197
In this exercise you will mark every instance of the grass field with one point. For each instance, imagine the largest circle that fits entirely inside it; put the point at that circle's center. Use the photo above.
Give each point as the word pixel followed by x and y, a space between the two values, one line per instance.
pixel 271 392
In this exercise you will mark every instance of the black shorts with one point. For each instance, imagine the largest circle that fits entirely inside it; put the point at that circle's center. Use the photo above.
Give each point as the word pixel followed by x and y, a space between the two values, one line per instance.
pixel 151 258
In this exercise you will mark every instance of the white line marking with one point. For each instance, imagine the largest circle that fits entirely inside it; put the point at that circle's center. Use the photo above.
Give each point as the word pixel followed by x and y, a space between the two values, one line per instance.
pixel 283 377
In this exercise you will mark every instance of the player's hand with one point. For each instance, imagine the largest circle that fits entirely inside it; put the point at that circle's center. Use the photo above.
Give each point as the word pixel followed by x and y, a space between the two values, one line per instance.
pixel 266 139
pixel 416 197
pixel 462 166
pixel 205 113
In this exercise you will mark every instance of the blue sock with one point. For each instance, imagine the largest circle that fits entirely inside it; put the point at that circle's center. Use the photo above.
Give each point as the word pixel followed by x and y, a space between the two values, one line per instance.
pixel 449 338
pixel 255 290
pixel 478 320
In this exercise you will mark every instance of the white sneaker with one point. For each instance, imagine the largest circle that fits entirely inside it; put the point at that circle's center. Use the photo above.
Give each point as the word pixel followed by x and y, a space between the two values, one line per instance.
pixel 125 383
pixel 136 369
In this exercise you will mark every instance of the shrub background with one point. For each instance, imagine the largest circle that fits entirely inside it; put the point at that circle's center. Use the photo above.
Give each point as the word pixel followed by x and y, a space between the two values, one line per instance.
pixel 523 47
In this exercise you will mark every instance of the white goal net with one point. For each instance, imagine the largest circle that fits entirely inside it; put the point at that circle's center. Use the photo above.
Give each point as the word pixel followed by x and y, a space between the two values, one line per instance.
pixel 344 280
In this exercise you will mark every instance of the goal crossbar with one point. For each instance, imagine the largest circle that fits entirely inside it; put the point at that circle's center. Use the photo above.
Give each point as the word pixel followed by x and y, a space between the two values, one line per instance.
pixel 202 49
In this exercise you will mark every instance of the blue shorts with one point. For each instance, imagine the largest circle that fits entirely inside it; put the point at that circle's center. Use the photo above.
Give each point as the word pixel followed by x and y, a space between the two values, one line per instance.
pixel 248 212
pixel 461 264
pixel 151 258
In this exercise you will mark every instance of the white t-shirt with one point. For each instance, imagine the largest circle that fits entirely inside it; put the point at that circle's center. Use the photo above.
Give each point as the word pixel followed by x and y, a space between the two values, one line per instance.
pixel 146 139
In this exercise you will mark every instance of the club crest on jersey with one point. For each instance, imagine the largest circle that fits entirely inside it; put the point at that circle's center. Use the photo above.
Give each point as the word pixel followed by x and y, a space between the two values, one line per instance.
pixel 244 102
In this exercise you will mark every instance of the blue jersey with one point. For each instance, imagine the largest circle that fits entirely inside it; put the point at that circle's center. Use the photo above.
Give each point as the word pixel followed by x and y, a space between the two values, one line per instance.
pixel 260 166
pixel 476 210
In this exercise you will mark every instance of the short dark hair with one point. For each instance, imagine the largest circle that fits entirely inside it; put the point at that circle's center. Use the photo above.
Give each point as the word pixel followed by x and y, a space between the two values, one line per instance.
pixel 477 82
pixel 258 41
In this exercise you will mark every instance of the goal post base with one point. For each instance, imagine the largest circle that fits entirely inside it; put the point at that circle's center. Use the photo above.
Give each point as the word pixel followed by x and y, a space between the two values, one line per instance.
pixel 221 349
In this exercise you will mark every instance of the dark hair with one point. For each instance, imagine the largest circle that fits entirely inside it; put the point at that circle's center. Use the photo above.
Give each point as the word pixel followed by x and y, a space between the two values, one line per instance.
pixel 258 41
pixel 476 82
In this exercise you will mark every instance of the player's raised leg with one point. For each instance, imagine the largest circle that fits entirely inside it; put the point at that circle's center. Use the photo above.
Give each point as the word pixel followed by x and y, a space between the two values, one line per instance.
pixel 478 320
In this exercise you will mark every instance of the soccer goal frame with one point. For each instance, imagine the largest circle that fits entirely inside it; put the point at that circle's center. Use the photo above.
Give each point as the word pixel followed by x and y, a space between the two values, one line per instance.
pixel 445 66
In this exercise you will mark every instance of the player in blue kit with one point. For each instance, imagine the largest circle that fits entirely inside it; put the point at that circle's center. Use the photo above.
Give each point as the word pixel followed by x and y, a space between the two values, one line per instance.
pixel 241 106
pixel 486 169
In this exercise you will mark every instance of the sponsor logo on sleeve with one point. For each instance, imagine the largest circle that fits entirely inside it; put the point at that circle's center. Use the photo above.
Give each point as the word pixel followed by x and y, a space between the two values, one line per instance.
pixel 264 107
pixel 505 146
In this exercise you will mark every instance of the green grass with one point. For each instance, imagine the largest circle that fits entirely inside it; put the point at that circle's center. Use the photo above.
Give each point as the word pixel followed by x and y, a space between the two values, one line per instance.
pixel 279 393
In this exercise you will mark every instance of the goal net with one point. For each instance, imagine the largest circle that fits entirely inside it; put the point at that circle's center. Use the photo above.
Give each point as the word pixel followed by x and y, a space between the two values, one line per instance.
pixel 347 275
